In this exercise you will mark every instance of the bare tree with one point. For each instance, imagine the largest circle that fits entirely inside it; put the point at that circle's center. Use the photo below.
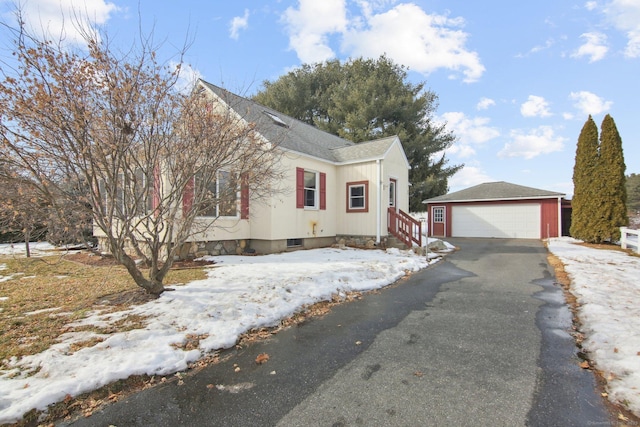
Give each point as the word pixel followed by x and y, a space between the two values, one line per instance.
pixel 146 152
pixel 23 213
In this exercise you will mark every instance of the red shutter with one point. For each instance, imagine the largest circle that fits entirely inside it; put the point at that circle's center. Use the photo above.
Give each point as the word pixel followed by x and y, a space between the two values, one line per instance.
pixel 244 196
pixel 187 196
pixel 155 197
pixel 299 188
pixel 323 191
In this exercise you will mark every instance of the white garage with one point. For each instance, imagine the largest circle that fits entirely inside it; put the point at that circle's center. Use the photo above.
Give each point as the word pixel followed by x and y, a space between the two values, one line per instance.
pixel 521 221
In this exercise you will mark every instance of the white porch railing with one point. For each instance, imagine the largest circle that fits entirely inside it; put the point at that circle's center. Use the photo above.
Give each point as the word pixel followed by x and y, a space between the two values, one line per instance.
pixel 629 237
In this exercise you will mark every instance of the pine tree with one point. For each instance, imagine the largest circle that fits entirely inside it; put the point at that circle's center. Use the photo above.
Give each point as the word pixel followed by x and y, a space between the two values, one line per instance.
pixel 364 99
pixel 613 197
pixel 584 176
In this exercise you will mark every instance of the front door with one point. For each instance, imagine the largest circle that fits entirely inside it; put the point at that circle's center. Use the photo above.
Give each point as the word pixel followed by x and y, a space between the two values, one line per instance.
pixel 438 221
pixel 392 193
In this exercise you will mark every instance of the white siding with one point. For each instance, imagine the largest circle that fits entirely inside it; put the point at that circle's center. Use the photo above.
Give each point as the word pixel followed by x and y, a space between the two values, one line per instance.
pixel 278 218
pixel 365 224
pixel 356 223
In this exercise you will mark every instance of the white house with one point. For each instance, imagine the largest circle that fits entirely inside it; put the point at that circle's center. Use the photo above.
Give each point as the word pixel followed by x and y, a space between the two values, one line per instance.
pixel 333 189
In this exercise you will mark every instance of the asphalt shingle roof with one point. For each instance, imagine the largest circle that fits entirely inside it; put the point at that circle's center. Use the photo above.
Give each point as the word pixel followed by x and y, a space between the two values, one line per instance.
pixel 295 135
pixel 495 191
pixel 365 150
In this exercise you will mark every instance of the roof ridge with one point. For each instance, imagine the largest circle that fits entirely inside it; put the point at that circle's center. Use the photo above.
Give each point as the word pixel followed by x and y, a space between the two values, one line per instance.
pixel 257 104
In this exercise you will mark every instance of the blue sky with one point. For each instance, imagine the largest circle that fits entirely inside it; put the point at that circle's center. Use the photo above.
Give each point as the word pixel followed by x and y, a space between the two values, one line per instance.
pixel 516 80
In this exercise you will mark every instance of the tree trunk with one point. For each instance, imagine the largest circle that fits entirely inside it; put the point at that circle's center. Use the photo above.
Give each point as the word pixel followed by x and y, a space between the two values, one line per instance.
pixel 27 237
pixel 153 287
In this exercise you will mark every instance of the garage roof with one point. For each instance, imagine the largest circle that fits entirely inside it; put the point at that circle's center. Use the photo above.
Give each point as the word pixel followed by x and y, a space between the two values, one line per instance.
pixel 495 191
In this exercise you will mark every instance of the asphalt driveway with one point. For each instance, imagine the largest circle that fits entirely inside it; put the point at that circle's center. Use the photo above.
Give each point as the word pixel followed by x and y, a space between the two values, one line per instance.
pixel 480 339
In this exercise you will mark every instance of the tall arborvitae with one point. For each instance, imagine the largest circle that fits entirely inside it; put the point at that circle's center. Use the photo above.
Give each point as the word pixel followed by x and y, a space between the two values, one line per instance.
pixel 584 176
pixel 613 197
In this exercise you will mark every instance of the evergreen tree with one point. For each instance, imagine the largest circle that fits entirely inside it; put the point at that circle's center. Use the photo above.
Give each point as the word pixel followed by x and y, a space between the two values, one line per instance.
pixel 633 193
pixel 613 197
pixel 365 99
pixel 584 179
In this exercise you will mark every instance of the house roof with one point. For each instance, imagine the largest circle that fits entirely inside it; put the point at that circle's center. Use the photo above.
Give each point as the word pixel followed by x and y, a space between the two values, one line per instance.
pixel 495 191
pixel 372 150
pixel 294 135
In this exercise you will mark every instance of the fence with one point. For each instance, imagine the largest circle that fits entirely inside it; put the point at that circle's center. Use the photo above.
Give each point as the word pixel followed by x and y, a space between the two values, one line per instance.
pixel 629 237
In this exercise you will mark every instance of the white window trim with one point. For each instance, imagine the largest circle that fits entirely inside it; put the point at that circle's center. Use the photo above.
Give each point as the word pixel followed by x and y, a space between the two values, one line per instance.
pixel 363 197
pixel 316 195
pixel 440 210
pixel 237 201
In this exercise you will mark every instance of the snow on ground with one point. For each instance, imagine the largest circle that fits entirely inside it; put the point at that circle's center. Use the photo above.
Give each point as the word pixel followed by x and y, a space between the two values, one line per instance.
pixel 240 293
pixel 607 286
pixel 19 249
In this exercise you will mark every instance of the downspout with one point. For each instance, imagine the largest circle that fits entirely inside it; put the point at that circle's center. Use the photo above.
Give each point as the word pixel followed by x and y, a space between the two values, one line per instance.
pixel 379 201
pixel 559 217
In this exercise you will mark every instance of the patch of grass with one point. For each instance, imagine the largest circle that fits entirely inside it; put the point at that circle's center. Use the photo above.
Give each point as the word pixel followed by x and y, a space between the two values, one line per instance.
pixel 45 294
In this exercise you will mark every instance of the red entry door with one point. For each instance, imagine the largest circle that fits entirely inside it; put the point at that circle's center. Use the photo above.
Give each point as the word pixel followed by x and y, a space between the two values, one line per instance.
pixel 438 221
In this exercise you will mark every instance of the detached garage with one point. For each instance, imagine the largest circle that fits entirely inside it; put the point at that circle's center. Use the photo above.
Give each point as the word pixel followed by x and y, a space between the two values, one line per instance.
pixel 496 209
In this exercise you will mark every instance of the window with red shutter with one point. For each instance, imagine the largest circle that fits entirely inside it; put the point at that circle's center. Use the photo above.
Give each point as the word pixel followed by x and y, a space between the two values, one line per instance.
pixel 311 189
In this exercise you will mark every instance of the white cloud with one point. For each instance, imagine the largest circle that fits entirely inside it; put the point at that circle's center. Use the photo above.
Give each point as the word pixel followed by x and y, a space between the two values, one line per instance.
pixel 238 23
pixel 309 25
pixel 58 19
pixel 412 37
pixel 538 48
pixel 589 103
pixel 536 106
pixel 468 176
pixel 625 16
pixel 594 47
pixel 469 131
pixel 485 103
pixel 533 143
pixel 591 5
pixel 187 77
pixel 405 33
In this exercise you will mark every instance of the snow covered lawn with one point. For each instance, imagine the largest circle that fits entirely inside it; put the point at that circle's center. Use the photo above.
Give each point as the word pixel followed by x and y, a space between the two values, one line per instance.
pixel 241 293
pixel 606 284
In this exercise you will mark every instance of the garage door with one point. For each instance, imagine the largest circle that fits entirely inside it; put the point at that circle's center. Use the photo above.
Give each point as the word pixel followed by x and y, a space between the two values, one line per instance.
pixel 510 221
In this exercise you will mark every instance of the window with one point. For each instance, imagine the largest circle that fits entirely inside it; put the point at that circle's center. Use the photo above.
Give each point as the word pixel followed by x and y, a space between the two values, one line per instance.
pixel 144 193
pixel 310 186
pixel 438 214
pixel 277 120
pixel 311 189
pixel 392 193
pixel 227 194
pixel 219 197
pixel 358 196
pixel 294 243
pixel 128 195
